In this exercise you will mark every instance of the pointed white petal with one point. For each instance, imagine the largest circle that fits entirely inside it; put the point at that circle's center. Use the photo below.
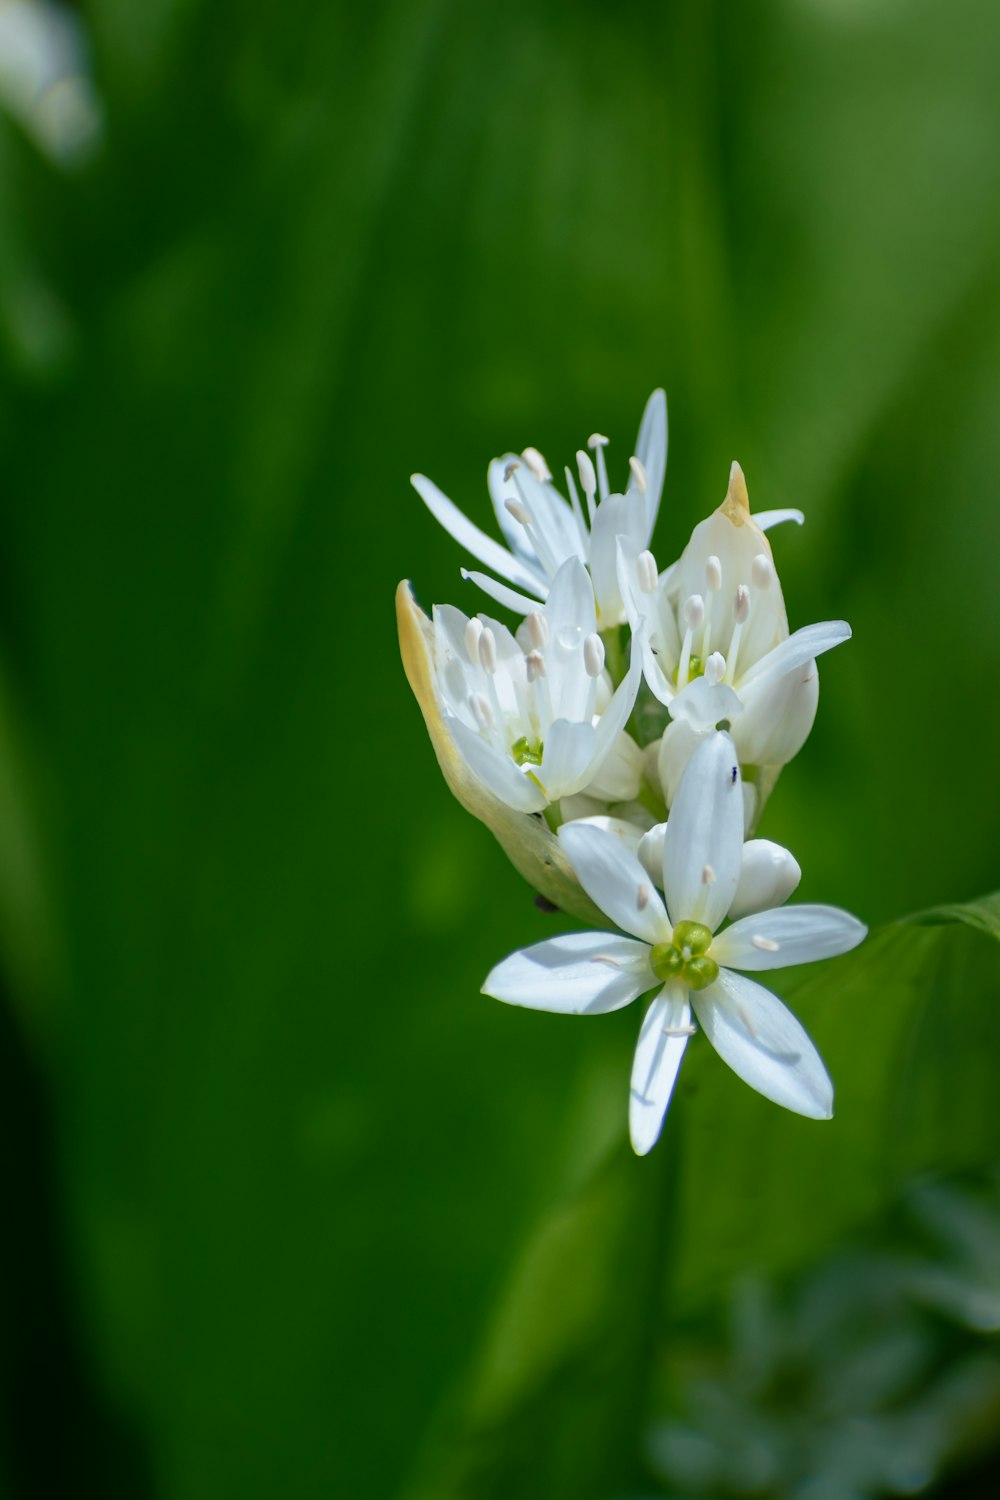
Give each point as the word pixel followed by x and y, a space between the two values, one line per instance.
pixel 780 694
pixel 662 1040
pixel 495 770
pixel 788 935
pixel 704 840
pixel 584 973
pixel 765 519
pixel 762 1041
pixel 615 881
pixel 802 647
pixel 620 774
pixel 768 876
pixel 509 598
pixel 651 451
pixel 472 539
pixel 618 515
pixel 566 758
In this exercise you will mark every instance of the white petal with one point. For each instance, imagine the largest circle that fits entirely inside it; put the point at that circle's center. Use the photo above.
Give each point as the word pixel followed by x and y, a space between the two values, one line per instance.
pixel 495 770
pixel 765 519
pixel 618 515
pixel 570 618
pixel 566 758
pixel 584 973
pixel 509 598
pixel 703 844
pixel 787 935
pixel 768 876
pixel 678 743
pixel 615 881
pixel 628 834
pixel 472 539
pixel 650 851
pixel 660 642
pixel 662 1040
pixel 762 1041
pixel 704 704
pixel 806 644
pixel 614 718
pixel 777 717
pixel 553 533
pixel 620 773
pixel 651 451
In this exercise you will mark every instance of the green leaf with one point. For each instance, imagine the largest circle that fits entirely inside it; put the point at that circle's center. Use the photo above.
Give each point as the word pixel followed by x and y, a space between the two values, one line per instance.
pixel 909 1025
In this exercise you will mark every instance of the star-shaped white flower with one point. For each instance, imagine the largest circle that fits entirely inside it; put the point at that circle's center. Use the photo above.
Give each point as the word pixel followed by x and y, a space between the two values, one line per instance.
pixel 534 716
pixel 542 529
pixel 675 944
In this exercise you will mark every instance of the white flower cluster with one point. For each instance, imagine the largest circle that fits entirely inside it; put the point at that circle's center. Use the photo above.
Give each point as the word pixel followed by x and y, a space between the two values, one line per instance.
pixel 621 743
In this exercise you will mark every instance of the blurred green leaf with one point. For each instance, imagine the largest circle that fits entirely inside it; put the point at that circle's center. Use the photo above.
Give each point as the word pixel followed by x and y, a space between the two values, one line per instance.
pixel 910 1023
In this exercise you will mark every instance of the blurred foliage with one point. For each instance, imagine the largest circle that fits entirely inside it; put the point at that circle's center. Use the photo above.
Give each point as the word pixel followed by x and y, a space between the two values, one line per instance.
pixel 267 1152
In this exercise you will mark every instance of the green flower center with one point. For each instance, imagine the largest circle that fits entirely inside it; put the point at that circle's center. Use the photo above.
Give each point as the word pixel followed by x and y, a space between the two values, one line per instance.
pixel 527 752
pixel 686 958
pixel 696 668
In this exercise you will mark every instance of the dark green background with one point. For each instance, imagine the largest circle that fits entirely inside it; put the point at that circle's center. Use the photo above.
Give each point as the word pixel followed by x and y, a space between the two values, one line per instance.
pixel 267 1153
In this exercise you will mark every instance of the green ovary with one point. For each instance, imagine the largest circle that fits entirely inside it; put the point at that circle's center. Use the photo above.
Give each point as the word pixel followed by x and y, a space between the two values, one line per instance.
pixel 686 958
pixel 696 668
pixel 527 752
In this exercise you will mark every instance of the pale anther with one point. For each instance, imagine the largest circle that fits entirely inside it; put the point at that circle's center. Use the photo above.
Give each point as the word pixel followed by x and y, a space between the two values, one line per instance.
pixel 588 477
pixel 606 958
pixel 538 629
pixel 765 944
pixel 535 664
pixel 642 897
pixel 647 571
pixel 488 649
pixel 638 474
pixel 694 611
pixel 597 440
pixel 715 668
pixel 537 464
pixel 518 511
pixel 762 571
pixel 741 605
pixel 473 631
pixel 713 573
pixel 707 875
pixel 593 655
pixel 509 470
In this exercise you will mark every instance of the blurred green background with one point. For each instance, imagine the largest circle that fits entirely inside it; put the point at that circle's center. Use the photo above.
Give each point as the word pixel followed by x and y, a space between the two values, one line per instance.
pixel 267 1155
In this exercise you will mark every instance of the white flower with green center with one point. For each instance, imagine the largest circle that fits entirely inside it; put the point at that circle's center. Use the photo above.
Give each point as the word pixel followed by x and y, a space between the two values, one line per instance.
pixel 675 944
pixel 534 716
pixel 541 529
pixel 717 645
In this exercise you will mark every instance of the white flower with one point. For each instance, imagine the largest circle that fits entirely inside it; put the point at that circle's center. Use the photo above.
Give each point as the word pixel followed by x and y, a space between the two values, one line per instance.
pixel 542 529
pixel 676 945
pixel 534 717
pixel 717 645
